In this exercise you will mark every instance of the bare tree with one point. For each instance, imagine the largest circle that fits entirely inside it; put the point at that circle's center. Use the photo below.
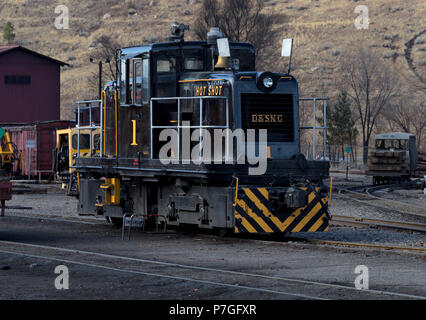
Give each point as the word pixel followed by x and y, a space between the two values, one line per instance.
pixel 419 124
pixel 239 20
pixel 371 85
pixel 407 114
pixel 105 51
pixel 209 15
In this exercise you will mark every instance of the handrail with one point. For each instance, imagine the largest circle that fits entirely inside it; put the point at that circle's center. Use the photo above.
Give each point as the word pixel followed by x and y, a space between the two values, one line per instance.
pixel 190 98
pixel 236 192
pixel 91 126
pixel 179 125
pixel 314 127
pixel 103 98
pixel 87 102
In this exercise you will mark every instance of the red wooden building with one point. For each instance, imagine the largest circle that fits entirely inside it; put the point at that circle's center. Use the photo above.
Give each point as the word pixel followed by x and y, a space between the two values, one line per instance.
pixel 29 86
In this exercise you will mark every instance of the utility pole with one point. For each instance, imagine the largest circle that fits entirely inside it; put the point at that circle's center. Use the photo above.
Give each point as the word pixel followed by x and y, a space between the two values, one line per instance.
pixel 100 75
pixel 100 80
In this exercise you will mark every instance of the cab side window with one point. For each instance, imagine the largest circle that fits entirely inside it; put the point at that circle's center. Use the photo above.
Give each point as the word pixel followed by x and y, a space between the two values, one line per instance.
pixel 124 81
pixel 137 82
pixel 380 144
pixel 194 64
pixel 134 84
pixel 145 81
pixel 84 141
pixel 166 77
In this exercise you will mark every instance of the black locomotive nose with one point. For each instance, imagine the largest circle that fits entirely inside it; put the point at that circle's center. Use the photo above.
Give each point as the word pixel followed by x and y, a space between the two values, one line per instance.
pixel 267 82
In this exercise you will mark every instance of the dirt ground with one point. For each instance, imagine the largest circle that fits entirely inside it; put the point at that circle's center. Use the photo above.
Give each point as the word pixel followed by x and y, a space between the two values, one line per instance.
pixel 181 266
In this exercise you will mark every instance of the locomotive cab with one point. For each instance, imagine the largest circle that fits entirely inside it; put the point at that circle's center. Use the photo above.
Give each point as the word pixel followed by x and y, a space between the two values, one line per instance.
pixel 66 153
pixel 162 83
pixel 394 158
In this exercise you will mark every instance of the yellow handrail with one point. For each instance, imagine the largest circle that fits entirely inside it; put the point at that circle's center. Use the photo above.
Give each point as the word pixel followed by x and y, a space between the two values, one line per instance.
pixel 103 98
pixel 236 192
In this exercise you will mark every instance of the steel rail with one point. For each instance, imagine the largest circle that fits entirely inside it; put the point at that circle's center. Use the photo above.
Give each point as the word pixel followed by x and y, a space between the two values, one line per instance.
pixel 383 203
pixel 337 220
pixel 377 223
pixel 365 245
pixel 370 191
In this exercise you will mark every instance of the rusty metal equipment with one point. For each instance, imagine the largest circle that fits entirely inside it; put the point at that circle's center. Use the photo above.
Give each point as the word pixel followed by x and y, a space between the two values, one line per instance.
pixel 394 158
pixel 8 151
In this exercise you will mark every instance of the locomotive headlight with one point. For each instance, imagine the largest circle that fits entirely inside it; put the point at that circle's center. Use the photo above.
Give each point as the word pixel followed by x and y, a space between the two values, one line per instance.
pixel 268 82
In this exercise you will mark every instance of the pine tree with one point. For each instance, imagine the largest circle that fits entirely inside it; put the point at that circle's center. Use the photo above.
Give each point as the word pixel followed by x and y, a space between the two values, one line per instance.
pixel 9 32
pixel 341 125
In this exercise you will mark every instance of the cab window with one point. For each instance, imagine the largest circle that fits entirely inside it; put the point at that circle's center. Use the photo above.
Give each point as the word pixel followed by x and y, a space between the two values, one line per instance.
pixel 194 64
pixel 244 59
pixel 166 65
pixel 84 141
pixel 134 84
pixel 124 76
pixel 395 144
pixel 137 82
pixel 380 144
pixel 145 81
pixel 165 77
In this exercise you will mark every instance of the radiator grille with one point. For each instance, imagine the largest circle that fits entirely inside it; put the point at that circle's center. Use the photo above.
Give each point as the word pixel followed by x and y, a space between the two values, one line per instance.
pixel 273 112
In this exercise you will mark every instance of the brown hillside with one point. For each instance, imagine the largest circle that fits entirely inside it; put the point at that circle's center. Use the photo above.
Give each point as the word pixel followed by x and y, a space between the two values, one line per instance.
pixel 323 31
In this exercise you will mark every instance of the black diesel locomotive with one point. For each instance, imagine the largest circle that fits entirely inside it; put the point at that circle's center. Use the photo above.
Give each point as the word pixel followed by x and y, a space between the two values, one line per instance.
pixel 187 88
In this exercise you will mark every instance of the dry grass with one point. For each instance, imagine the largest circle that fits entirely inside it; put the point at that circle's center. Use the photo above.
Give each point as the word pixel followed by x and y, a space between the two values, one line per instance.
pixel 325 22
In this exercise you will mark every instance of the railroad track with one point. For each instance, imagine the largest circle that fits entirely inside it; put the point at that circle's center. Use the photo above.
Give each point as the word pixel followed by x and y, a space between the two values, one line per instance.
pixel 339 220
pixel 365 195
pixel 336 220
pixel 208 276
pixel 370 192
pixel 367 246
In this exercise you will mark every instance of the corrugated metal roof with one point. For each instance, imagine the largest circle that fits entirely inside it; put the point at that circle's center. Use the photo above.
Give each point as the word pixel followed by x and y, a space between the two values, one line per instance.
pixel 6 49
